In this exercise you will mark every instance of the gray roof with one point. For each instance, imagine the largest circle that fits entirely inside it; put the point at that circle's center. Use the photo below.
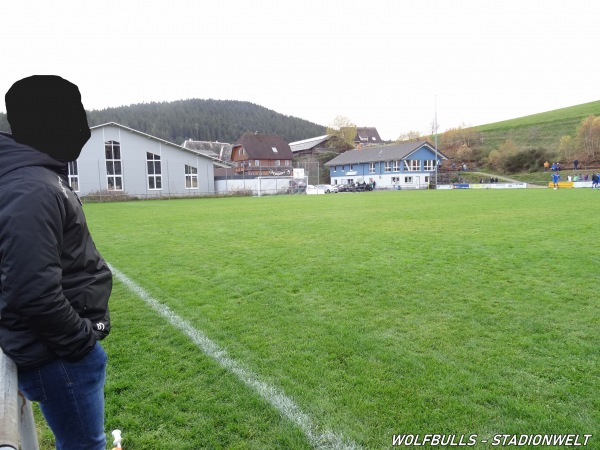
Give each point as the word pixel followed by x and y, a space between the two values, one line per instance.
pixel 307 144
pixel 218 150
pixel 149 136
pixel 380 153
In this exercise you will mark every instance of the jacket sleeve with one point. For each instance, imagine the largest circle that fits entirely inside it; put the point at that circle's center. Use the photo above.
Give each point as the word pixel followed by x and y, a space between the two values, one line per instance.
pixel 32 242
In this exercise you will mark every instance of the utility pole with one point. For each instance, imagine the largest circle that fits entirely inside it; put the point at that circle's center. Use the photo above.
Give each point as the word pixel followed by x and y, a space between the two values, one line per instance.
pixel 435 138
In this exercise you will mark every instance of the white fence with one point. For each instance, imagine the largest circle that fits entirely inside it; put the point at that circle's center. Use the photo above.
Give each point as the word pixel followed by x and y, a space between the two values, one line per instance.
pixel 483 186
pixel 16 416
pixel 256 186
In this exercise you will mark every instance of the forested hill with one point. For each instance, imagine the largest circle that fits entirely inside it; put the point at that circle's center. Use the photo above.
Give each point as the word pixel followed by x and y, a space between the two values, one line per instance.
pixel 202 120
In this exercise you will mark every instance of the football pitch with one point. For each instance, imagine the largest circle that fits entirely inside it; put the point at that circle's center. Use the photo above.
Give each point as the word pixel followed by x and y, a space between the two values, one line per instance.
pixel 352 320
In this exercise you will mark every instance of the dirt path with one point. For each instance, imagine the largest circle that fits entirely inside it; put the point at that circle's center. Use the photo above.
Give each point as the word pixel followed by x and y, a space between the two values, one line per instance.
pixel 503 178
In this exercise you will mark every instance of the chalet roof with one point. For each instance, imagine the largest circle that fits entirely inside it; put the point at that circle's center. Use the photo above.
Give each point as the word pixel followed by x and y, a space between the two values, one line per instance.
pixel 264 146
pixel 307 144
pixel 149 136
pixel 367 135
pixel 380 153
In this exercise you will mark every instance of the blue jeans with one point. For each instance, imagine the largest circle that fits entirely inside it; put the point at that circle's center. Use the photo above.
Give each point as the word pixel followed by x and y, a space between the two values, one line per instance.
pixel 71 397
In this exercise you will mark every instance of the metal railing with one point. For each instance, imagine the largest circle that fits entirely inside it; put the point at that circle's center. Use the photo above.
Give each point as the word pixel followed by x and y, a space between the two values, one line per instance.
pixel 17 428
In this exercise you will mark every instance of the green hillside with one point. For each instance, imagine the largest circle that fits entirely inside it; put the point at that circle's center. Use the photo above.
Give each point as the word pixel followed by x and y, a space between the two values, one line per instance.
pixel 537 130
pixel 202 120
pixel 227 120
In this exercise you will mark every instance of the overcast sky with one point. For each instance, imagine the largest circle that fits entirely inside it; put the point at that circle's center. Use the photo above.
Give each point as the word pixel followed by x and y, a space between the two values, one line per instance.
pixel 387 64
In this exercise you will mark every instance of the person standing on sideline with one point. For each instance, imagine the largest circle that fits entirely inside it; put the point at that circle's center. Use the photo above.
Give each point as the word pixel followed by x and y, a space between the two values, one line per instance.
pixel 555 178
pixel 595 180
pixel 54 285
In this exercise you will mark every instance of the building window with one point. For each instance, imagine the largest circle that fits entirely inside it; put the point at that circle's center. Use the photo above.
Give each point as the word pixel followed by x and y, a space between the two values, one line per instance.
pixel 274 149
pixel 371 167
pixel 395 180
pixel 191 177
pixel 408 180
pixel 287 162
pixel 73 176
pixel 429 164
pixel 114 170
pixel 412 165
pixel 351 166
pixel 154 171
pixel 397 165
pixel 335 168
pixel 277 162
pixel 388 166
pixel 257 162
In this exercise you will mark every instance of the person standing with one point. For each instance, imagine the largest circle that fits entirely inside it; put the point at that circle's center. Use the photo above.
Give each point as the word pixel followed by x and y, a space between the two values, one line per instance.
pixel 555 178
pixel 55 285
pixel 595 180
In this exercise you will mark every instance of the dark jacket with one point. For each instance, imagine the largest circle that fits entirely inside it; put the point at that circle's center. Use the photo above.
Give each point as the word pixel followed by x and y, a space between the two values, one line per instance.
pixel 54 285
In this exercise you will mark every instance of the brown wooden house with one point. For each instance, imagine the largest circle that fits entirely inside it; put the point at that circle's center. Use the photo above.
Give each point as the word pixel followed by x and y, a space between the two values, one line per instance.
pixel 261 155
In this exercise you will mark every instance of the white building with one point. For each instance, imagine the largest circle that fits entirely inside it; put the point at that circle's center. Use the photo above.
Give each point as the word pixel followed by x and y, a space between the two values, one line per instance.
pixel 121 159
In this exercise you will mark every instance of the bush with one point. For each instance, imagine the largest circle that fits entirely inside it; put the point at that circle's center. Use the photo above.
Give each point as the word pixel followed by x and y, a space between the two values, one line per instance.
pixel 526 161
pixel 105 196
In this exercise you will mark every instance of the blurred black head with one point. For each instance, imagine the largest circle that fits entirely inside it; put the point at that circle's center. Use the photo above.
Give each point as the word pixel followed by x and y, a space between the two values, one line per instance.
pixel 45 112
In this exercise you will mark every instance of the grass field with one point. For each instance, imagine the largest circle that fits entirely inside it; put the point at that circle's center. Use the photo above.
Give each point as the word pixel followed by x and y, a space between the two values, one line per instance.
pixel 342 320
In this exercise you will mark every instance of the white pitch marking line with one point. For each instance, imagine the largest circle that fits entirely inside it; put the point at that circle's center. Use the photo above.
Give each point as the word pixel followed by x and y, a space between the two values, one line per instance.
pixel 326 440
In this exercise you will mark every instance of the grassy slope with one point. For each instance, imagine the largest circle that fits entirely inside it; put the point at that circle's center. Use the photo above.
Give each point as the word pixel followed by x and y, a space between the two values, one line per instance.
pixel 537 130
pixel 379 313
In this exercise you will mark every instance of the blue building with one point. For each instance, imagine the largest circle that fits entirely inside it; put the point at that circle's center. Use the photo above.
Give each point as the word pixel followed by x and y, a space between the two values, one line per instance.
pixel 407 165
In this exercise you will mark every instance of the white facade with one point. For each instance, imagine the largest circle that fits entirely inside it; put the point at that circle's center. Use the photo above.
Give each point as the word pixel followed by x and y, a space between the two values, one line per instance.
pixel 420 180
pixel 120 159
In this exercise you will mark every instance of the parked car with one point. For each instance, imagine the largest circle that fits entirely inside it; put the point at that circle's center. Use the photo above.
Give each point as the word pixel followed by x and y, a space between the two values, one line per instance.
pixel 346 188
pixel 352 187
pixel 328 188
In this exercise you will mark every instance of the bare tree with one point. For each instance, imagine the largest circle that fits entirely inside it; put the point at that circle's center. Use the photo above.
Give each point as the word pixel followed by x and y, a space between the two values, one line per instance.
pixel 343 128
pixel 566 147
pixel 454 138
pixel 588 136
pixel 410 136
